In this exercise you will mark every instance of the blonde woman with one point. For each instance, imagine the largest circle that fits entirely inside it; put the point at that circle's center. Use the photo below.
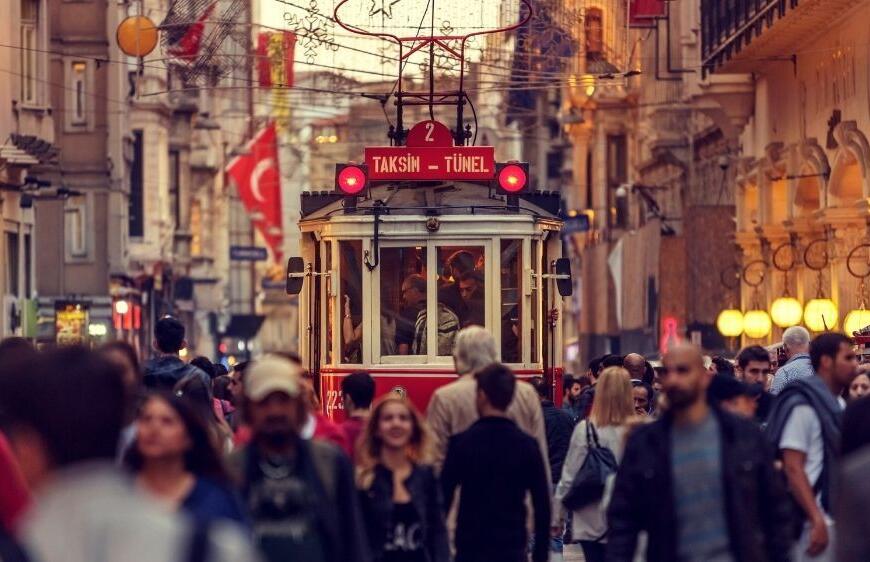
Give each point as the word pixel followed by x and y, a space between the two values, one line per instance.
pixel 399 493
pixel 611 412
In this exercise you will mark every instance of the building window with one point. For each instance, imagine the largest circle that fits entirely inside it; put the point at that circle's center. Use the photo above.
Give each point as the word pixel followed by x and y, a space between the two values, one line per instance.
pixel 29 51
pixel 12 257
pixel 594 31
pixel 617 176
pixel 79 92
pixel 136 215
pixel 28 266
pixel 195 228
pixel 75 217
pixel 175 187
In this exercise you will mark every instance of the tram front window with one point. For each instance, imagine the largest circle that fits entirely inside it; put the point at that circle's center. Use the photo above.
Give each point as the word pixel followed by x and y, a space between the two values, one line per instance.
pixel 350 274
pixel 403 301
pixel 461 292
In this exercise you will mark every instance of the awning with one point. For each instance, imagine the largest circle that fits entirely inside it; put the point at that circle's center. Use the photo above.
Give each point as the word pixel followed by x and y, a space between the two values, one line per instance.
pixel 244 326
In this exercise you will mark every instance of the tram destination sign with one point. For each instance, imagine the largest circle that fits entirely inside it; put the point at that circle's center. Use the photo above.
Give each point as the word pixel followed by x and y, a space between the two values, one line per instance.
pixel 469 163
pixel 430 154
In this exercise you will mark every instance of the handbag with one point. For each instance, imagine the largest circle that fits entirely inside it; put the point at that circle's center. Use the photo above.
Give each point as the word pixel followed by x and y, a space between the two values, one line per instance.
pixel 590 481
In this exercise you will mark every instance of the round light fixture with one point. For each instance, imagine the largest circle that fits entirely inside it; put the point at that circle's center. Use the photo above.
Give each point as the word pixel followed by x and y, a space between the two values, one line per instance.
pixel 856 321
pixel 756 324
pixel 821 315
pixel 512 178
pixel 730 323
pixel 122 307
pixel 136 36
pixel 786 312
pixel 351 180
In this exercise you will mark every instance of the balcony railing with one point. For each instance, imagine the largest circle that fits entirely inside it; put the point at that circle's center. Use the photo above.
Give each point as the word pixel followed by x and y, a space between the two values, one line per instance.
pixel 727 26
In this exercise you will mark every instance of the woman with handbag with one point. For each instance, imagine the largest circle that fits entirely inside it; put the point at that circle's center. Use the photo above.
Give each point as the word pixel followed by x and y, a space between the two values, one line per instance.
pixel 593 455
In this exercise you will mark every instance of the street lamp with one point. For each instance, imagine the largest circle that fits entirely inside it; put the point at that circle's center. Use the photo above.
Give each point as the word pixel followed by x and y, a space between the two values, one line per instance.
pixel 756 324
pixel 786 312
pixel 821 314
pixel 730 323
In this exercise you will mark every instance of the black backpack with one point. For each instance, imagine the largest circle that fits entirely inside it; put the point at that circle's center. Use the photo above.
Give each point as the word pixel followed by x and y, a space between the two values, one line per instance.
pixel 590 480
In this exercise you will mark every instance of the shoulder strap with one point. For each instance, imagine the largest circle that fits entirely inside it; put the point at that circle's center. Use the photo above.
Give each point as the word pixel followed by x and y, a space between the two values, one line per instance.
pixel 591 435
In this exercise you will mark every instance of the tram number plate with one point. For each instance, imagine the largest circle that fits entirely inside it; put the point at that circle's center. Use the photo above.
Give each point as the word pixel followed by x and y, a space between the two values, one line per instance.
pixel 468 163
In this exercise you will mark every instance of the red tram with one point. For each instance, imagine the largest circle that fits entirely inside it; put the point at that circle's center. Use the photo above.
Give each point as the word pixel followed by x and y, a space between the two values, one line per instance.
pixel 428 236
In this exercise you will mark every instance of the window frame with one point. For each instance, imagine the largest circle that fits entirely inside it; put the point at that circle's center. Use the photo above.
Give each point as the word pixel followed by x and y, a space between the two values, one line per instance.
pixel 29 40
pixel 378 357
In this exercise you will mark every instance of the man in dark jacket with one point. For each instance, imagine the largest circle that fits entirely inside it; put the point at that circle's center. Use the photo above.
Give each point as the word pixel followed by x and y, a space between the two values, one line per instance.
pixel 300 493
pixel 559 426
pixel 699 481
pixel 167 368
pixel 491 525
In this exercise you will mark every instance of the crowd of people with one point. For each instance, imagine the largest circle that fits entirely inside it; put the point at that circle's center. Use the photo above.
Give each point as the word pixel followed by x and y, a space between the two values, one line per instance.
pixel 698 459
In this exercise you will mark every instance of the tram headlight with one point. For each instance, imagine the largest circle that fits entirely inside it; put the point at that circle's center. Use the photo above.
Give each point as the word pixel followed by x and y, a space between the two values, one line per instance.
pixel 512 177
pixel 351 179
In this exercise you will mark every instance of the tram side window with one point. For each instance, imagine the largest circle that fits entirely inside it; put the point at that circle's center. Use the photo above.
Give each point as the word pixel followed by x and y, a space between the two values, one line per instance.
pixel 511 300
pixel 328 299
pixel 403 301
pixel 350 275
pixel 461 292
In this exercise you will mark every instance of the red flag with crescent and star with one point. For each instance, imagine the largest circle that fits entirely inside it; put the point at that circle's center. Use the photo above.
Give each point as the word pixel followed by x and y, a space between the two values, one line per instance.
pixel 258 179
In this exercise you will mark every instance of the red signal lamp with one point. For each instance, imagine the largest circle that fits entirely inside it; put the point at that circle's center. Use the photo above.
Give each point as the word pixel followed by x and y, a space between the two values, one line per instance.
pixel 512 177
pixel 351 179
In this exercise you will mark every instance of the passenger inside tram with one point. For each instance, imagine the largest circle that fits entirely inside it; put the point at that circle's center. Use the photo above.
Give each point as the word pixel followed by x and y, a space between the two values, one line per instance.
pixel 403 298
pixel 413 303
pixel 461 285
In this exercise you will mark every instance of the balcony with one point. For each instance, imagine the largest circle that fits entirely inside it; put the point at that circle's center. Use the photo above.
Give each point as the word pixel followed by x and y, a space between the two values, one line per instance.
pixel 739 34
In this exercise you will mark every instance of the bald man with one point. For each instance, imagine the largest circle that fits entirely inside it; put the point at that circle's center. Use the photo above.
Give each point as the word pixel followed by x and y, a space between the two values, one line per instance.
pixel 699 481
pixel 635 364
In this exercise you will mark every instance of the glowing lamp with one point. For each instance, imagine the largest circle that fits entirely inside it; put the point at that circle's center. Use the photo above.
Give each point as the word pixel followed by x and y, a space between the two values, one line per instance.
pixel 786 312
pixel 756 324
pixel 350 179
pixel 821 315
pixel 856 321
pixel 122 307
pixel 730 323
pixel 512 178
pixel 136 36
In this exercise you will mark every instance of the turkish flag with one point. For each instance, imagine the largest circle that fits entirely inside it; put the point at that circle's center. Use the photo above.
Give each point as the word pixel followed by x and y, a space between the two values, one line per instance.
pixel 258 179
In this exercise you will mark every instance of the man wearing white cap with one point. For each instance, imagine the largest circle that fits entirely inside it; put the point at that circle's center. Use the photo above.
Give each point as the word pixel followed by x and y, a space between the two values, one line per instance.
pixel 300 494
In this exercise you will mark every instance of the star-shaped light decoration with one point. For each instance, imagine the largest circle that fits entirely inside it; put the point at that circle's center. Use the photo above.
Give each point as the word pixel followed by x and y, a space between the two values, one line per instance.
pixel 386 8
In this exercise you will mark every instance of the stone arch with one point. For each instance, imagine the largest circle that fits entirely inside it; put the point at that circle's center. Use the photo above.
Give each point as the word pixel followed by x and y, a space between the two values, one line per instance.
pixel 848 181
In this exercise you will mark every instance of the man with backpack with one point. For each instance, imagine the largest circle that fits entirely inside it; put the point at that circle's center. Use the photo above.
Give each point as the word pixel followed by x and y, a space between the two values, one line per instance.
pixel 700 482
pixel 805 425
pixel 300 493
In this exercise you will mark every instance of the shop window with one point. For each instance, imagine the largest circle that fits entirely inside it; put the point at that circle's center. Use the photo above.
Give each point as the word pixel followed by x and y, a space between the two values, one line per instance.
pixel 351 297
pixel 403 301
pixel 511 311
pixel 461 292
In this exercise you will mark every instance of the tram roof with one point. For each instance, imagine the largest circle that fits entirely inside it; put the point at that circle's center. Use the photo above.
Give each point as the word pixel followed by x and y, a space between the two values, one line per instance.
pixel 448 198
